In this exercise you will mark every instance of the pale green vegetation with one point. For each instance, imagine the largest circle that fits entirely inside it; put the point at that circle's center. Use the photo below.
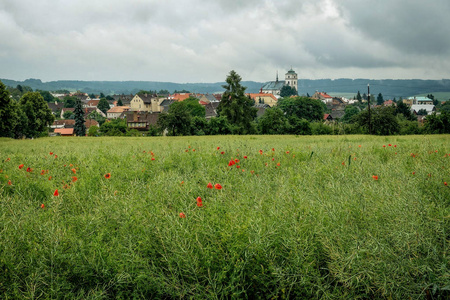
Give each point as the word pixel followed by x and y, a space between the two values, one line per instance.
pixel 339 217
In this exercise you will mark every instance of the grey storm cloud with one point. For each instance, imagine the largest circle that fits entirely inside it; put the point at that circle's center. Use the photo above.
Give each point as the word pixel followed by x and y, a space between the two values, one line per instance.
pixel 199 40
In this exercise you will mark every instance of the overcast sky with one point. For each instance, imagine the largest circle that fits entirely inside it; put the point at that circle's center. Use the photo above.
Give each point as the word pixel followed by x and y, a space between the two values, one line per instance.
pixel 202 40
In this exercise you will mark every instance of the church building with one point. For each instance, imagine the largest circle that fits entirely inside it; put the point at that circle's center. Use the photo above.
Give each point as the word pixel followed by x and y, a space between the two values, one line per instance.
pixel 274 87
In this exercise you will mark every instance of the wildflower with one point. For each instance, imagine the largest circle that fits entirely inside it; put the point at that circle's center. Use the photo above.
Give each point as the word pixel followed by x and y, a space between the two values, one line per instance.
pixel 56 156
pixel 199 202
pixel 9 182
pixel 51 153
pixel 236 160
pixel 390 145
pixel 245 156
pixel 273 159
pixel 395 146
pixel 182 183
pixel 238 166
pixel 231 163
pixel 193 150
pixel 182 215
pixel 287 152
pixel 359 146
pixel 278 164
pixel 186 150
pixel 74 179
pixel 343 163
pixel 260 152
pixel 273 149
pixel 42 206
pixel 8 159
pixel 218 148
pixel 108 175
pixel 49 177
pixel 252 172
pixel 153 158
pixel 74 171
pixel 375 177
pixel 222 152
pixel 445 183
pixel 56 194
pixel 384 146
pixel 21 166
pixel 42 172
pixel 413 173
pixel 29 169
pixel 209 186
pixel 218 186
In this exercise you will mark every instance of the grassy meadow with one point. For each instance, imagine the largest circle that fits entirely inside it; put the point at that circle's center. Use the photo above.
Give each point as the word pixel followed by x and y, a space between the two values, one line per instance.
pixel 329 217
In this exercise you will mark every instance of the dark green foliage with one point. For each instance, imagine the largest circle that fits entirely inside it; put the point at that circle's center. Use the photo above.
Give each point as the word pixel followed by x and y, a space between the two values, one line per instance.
pixel 287 91
pixel 69 101
pixel 218 126
pixel 47 96
pixel 236 107
pixel 299 126
pixel 422 112
pixel 350 111
pixel 119 102
pixel 68 114
pixel 320 128
pixel 273 122
pixel 303 108
pixel 177 121
pixel 116 127
pixel 199 126
pixel 8 113
pixel 438 123
pixel 109 97
pixel 37 112
pixel 79 128
pixel 194 108
pixel 382 120
pixel 358 97
pixel 380 99
pixel 405 110
pixel 103 105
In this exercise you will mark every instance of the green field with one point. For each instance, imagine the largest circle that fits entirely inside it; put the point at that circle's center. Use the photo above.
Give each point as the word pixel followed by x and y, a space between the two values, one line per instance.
pixel 334 217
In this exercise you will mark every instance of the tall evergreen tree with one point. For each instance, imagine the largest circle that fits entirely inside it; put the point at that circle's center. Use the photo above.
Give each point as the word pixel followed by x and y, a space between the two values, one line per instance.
pixel 79 128
pixel 380 99
pixel 358 97
pixel 119 102
pixel 236 107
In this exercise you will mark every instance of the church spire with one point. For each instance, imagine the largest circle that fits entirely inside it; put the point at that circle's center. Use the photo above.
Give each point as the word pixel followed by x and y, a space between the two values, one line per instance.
pixel 277 76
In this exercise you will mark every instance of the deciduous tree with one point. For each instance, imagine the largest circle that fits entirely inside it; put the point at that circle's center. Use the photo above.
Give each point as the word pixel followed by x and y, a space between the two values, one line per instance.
pixel 103 105
pixel 38 113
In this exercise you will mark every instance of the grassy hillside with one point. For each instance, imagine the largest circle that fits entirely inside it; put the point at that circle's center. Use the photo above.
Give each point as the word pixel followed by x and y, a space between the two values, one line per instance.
pixel 295 217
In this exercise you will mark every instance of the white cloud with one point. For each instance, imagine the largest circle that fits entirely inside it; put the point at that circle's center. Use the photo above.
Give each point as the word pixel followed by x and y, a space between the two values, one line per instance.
pixel 201 41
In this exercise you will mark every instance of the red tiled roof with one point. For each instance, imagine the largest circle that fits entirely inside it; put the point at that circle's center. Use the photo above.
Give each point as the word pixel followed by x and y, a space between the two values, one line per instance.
pixel 181 96
pixel 64 131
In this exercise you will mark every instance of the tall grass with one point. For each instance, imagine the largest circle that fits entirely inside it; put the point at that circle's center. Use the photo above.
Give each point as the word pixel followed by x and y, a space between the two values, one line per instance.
pixel 307 220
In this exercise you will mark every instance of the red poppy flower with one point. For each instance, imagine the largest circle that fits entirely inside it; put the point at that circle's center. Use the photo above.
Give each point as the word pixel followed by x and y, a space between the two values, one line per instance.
pixel 193 150
pixel 49 177
pixel 153 158
pixel 21 166
pixel 359 146
pixel 42 172
pixel 253 172
pixel 56 156
pixel 384 146
pixel 182 215
pixel 42 206
pixel 287 152
pixel 343 163
pixel 389 145
pixel 273 159
pixel 9 182
pixel 108 175
pixel 236 160
pixel 222 152
pixel 209 186
pixel 74 179
pixel 375 177
pixel 29 169
pixel 56 194
pixel 218 148
pixel 8 159
pixel 231 163
pixel 182 183
pixel 413 173
pixel 218 186
pixel 238 167
pixel 245 156
pixel 278 164
pixel 51 153
pixel 273 149
pixel 199 202
pixel 445 183
pixel 260 152
pixel 186 150
pixel 395 146
pixel 74 171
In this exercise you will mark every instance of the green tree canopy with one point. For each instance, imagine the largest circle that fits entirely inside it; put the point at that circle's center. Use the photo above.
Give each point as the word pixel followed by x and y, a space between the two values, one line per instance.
pixel 380 99
pixel 103 105
pixel 69 101
pixel 235 106
pixel 405 110
pixel 195 108
pixel 68 114
pixel 303 108
pixel 177 120
pixel 39 114
pixel 287 91
pixel 349 111
pixel 8 113
pixel 382 120
pixel 273 121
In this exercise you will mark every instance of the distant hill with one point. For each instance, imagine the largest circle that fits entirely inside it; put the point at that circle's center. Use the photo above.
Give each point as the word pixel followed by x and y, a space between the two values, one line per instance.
pixel 390 88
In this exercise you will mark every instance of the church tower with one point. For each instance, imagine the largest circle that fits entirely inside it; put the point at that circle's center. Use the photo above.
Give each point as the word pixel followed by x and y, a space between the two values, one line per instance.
pixel 291 79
